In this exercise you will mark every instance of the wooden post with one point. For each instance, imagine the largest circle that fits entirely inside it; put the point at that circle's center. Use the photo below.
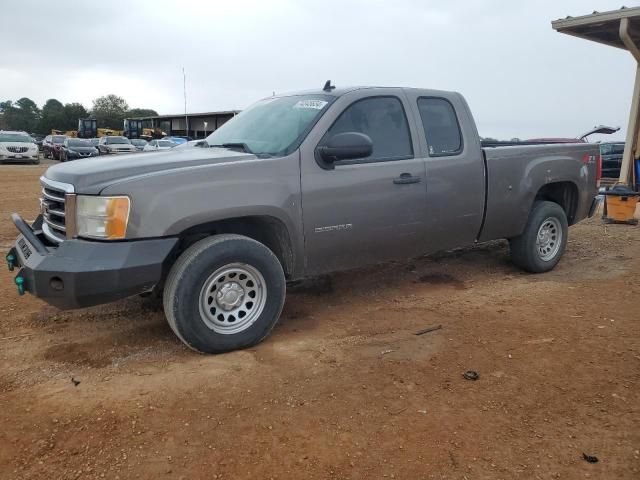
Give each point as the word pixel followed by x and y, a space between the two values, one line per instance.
pixel 629 155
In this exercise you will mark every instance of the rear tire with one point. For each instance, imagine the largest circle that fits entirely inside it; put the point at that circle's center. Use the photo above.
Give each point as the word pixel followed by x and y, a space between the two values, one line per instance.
pixel 224 293
pixel 542 244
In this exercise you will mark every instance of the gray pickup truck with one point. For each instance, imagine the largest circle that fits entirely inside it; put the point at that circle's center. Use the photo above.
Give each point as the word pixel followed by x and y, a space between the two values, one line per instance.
pixel 297 185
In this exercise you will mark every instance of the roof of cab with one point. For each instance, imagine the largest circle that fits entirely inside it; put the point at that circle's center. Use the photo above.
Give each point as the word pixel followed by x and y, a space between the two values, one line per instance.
pixel 339 91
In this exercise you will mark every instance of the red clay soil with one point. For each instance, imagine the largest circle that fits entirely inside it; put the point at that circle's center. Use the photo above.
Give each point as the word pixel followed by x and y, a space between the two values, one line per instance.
pixel 342 388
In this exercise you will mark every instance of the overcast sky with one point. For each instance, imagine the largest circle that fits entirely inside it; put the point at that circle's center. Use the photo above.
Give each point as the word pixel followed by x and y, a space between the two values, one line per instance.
pixel 520 77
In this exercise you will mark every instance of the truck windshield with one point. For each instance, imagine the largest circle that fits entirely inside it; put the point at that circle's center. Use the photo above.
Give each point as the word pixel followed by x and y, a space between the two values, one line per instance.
pixel 273 126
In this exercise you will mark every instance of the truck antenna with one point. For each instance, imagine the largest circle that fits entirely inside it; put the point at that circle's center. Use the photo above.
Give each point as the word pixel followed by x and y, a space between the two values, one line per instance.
pixel 328 87
pixel 184 88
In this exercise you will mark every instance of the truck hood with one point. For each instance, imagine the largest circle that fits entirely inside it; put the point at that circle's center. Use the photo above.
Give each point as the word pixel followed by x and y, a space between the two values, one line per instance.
pixel 93 175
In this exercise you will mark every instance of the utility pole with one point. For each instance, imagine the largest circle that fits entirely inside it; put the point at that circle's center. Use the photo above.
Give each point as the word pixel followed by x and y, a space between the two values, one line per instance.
pixel 186 118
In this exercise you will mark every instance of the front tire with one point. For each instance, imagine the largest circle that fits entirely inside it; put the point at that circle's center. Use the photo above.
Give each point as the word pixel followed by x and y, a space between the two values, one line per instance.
pixel 224 293
pixel 543 242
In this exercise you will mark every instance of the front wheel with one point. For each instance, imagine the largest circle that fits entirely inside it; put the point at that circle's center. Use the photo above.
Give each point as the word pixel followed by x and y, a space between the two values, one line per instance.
pixel 224 293
pixel 544 239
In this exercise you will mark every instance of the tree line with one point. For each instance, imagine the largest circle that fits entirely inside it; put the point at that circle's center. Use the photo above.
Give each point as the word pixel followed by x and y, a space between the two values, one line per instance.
pixel 24 114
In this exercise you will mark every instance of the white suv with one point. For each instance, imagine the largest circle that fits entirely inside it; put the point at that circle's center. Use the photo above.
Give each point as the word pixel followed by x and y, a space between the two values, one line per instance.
pixel 18 147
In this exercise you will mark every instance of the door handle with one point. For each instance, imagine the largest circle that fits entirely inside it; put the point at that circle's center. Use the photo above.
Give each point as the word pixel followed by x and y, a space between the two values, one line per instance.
pixel 405 179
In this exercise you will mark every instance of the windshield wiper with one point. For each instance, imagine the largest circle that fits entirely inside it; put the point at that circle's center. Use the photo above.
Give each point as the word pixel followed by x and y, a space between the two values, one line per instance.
pixel 234 145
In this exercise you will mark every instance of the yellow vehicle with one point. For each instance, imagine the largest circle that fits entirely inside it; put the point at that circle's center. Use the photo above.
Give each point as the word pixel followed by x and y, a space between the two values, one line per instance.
pixel 68 133
pixel 107 132
pixel 151 133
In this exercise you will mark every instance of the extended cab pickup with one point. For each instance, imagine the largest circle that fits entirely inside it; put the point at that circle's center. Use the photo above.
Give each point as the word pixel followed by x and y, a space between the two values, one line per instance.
pixel 296 185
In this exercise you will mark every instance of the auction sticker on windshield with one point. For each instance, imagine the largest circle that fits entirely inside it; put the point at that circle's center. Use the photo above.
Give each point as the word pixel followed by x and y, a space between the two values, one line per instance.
pixel 313 104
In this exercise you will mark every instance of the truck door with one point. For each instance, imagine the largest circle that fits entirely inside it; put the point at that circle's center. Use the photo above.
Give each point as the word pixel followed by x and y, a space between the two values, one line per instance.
pixel 370 209
pixel 455 181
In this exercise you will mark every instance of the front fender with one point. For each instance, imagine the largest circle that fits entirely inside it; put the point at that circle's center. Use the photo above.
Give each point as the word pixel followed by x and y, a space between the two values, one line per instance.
pixel 169 202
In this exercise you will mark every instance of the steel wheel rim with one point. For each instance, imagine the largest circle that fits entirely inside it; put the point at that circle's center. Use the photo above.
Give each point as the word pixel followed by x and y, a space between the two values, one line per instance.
pixel 232 298
pixel 549 239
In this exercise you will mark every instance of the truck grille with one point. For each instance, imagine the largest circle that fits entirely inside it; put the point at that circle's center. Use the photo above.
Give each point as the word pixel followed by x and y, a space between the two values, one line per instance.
pixel 53 206
pixel 13 149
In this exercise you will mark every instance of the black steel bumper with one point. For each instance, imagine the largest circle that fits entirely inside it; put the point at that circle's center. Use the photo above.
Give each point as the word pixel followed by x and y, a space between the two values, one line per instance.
pixel 80 273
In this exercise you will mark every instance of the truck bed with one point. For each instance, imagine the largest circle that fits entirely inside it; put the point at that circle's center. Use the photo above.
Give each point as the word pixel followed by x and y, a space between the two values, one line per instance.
pixel 516 174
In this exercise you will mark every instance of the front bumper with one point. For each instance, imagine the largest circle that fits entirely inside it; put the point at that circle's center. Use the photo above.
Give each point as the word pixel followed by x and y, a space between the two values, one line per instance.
pixel 77 156
pixel 80 273
pixel 19 157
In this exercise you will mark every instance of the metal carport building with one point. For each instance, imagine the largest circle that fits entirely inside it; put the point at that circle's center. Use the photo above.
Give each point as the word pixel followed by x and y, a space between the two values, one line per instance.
pixel 620 29
pixel 191 124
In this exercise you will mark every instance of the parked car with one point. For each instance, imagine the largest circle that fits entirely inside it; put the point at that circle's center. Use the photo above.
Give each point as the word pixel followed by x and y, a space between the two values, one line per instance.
pixel 139 143
pixel 51 146
pixel 38 140
pixel 115 144
pixel 611 158
pixel 17 147
pixel 295 186
pixel 583 138
pixel 75 148
pixel 159 145
pixel 177 140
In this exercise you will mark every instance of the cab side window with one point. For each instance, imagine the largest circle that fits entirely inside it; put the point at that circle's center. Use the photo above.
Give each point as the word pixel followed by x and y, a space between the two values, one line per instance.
pixel 441 127
pixel 384 120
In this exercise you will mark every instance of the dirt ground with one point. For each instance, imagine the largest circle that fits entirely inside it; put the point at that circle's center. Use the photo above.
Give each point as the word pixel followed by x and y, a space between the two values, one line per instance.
pixel 343 388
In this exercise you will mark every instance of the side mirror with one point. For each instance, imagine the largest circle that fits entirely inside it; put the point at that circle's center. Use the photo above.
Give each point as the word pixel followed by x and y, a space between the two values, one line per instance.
pixel 345 146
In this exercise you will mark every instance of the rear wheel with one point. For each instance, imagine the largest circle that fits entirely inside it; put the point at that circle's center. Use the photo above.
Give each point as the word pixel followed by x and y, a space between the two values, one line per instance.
pixel 224 293
pixel 542 244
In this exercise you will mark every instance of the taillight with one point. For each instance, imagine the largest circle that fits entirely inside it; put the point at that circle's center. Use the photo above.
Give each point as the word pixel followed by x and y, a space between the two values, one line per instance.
pixel 598 169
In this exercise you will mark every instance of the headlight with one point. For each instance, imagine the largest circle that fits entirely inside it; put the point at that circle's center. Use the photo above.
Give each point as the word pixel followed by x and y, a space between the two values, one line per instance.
pixel 102 217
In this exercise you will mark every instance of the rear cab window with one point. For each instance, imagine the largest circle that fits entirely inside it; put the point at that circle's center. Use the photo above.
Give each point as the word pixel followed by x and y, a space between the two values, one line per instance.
pixel 441 126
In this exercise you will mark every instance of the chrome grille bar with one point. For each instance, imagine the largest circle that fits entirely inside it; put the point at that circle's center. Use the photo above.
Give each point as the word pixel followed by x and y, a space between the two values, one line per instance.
pixel 54 209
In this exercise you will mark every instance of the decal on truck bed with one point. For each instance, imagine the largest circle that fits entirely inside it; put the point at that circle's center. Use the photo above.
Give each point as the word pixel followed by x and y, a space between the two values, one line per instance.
pixel 334 228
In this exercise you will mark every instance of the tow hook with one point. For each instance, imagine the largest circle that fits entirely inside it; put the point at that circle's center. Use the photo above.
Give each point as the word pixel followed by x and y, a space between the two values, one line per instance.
pixel 11 261
pixel 20 284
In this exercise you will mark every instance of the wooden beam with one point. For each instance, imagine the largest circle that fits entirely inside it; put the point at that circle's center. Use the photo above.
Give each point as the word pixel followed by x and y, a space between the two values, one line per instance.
pixel 626 172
